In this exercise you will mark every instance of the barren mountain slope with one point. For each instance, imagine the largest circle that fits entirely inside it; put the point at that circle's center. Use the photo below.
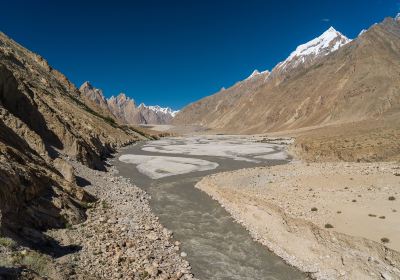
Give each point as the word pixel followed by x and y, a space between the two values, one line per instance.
pixel 43 119
pixel 358 81
pixel 211 108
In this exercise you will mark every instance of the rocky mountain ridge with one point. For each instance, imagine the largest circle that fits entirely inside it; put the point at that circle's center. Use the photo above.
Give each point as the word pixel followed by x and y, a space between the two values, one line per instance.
pixel 329 41
pixel 125 109
pixel 328 80
pixel 44 121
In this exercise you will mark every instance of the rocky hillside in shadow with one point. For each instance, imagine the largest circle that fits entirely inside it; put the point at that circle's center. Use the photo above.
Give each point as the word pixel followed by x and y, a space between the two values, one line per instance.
pixel 43 121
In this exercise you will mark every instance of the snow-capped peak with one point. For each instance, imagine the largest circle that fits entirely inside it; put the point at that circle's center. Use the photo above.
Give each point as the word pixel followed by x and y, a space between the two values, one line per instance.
pixel 329 41
pixel 397 17
pixel 362 32
pixel 158 109
pixel 257 73
pixel 86 84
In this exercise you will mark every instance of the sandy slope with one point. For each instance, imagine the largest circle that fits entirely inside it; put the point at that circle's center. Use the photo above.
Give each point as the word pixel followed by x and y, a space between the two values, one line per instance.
pixel 276 204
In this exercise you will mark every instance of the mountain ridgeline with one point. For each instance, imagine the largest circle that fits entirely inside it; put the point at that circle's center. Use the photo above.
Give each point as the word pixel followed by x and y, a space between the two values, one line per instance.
pixel 44 122
pixel 329 80
pixel 125 110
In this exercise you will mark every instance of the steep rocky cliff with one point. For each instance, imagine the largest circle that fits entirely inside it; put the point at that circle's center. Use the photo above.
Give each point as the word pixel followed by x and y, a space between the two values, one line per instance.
pixel 44 120
pixel 125 109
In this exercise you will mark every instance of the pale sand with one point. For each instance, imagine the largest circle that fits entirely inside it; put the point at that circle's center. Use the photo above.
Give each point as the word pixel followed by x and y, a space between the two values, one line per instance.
pixel 157 167
pixel 276 203
pixel 236 147
pixel 157 127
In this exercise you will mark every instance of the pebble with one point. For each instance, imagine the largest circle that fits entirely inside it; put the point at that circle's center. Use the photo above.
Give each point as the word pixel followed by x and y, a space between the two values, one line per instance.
pixel 118 241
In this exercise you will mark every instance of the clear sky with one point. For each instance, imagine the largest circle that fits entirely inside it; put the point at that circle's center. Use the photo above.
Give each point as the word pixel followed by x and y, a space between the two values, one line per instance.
pixel 171 52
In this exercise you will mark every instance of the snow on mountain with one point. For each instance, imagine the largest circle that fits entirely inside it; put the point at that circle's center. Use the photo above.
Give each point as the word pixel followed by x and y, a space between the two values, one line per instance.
pixel 330 41
pixel 158 109
pixel 124 108
pixel 362 32
pixel 257 73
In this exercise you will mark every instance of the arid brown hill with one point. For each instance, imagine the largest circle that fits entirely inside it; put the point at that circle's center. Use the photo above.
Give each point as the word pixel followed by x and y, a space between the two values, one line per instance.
pixel 354 82
pixel 43 120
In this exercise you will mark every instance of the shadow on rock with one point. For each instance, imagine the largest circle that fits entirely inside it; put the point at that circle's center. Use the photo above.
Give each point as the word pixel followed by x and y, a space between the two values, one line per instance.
pixel 82 182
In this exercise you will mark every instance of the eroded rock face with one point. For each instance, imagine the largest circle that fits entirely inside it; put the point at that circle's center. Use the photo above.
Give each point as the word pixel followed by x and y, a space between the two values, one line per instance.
pixel 32 194
pixel 125 109
pixel 43 119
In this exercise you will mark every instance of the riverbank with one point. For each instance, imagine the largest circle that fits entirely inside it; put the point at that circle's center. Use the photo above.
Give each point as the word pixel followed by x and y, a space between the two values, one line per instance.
pixel 332 220
pixel 121 238
pixel 216 246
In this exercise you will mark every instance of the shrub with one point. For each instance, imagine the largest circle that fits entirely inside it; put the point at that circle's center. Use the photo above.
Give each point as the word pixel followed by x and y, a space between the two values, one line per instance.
pixel 328 226
pixel 385 240
pixel 314 209
pixel 104 204
pixel 7 242
pixel 86 205
pixel 372 215
pixel 391 198
pixel 32 260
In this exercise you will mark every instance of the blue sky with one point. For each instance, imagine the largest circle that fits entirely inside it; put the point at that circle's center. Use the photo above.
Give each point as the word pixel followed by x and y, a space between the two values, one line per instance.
pixel 174 52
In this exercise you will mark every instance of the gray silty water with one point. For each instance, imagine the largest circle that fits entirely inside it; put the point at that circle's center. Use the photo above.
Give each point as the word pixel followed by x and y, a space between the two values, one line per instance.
pixel 217 247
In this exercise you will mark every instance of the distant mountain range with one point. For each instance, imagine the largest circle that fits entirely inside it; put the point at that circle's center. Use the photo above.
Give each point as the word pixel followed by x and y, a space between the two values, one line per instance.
pixel 329 80
pixel 125 110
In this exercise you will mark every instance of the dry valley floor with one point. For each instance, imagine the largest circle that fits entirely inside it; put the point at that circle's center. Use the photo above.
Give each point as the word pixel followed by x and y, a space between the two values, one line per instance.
pixel 334 220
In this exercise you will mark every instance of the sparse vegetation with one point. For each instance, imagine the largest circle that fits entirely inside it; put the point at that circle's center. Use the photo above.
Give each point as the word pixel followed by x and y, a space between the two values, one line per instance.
pixel 7 242
pixel 385 240
pixel 86 205
pixel 32 260
pixel 144 275
pixel 107 119
pixel 110 121
pixel 139 131
pixel 104 204
pixel 382 217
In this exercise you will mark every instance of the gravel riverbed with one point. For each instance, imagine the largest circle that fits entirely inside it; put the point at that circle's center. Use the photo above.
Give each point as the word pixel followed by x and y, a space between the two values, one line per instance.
pixel 121 238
